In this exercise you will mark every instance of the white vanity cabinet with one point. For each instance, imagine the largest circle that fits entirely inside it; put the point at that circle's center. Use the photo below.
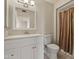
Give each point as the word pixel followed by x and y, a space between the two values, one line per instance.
pixel 24 48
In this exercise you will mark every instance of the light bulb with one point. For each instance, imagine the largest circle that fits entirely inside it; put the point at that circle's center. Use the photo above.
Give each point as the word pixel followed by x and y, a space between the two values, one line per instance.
pixel 26 1
pixel 32 2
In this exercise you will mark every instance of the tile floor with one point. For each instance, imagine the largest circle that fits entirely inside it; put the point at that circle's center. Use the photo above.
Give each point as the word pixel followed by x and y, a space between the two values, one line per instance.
pixel 62 55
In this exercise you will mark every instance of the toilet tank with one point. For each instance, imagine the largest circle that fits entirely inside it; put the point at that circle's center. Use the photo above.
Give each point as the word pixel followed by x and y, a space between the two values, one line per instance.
pixel 47 39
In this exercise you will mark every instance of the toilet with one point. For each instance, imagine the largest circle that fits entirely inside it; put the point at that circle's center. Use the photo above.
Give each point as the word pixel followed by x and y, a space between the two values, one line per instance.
pixel 50 50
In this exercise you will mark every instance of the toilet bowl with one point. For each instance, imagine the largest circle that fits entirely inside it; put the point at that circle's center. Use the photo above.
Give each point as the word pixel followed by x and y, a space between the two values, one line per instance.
pixel 52 50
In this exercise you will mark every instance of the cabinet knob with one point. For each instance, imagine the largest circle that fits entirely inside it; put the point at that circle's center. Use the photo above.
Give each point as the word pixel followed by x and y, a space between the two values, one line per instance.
pixel 33 47
pixel 12 55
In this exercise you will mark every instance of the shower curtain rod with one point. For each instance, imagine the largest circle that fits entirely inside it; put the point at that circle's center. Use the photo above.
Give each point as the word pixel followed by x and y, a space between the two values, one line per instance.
pixel 65 4
pixel 65 9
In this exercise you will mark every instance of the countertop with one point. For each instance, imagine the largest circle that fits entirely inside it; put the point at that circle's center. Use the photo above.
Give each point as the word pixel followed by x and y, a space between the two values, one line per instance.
pixel 21 36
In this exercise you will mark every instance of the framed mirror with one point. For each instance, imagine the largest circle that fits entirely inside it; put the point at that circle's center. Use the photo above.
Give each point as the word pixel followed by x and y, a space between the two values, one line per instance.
pixel 24 19
pixel 18 16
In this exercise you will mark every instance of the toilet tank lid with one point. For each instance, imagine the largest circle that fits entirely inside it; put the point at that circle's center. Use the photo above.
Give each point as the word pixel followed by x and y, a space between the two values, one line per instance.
pixel 52 46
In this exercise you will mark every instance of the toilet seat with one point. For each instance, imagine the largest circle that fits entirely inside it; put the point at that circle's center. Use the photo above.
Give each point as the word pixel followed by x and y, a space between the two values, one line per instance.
pixel 52 46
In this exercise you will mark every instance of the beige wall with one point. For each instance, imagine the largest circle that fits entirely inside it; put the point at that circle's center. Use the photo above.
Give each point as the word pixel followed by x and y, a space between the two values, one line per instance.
pixel 48 14
pixel 44 19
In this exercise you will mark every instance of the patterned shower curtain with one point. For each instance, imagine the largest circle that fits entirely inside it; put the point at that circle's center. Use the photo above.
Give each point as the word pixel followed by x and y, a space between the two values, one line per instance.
pixel 66 33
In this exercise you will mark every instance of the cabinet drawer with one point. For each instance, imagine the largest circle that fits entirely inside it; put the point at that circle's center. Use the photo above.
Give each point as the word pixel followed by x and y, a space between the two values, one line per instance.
pixel 14 43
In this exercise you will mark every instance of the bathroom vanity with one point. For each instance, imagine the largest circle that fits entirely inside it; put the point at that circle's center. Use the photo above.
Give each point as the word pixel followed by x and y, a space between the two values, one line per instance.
pixel 24 47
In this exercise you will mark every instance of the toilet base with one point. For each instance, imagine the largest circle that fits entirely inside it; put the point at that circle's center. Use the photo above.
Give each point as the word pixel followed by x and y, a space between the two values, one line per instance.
pixel 50 56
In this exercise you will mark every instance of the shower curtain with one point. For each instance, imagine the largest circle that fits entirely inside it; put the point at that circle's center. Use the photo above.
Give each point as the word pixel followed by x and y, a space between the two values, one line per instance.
pixel 66 33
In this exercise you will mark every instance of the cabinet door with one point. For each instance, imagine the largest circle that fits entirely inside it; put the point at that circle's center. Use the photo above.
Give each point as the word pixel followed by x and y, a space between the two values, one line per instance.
pixel 28 52
pixel 11 54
